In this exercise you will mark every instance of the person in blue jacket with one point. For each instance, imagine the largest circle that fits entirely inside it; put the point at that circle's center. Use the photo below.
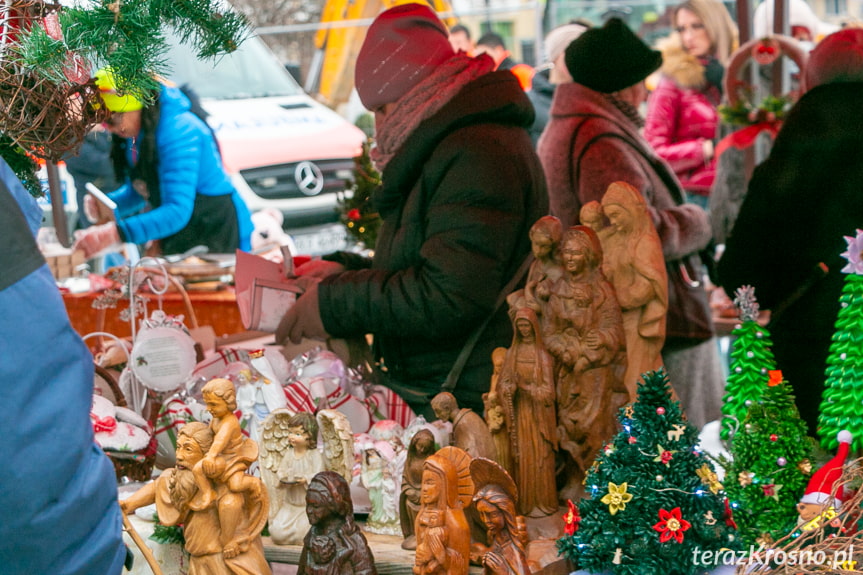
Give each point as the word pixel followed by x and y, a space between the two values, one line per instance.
pixel 58 489
pixel 175 188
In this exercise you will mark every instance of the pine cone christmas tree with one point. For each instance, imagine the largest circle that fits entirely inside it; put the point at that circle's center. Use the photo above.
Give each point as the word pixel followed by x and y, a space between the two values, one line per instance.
pixel 655 502
pixel 771 464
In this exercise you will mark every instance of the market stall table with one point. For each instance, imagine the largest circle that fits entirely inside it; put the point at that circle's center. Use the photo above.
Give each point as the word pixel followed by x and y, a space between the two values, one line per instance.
pixel 216 308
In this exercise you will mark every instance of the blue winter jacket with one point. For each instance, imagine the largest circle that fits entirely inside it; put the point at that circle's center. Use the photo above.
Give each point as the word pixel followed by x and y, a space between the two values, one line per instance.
pixel 189 164
pixel 58 491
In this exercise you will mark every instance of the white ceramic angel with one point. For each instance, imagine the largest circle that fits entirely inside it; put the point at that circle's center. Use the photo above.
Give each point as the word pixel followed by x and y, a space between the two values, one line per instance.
pixel 290 458
pixel 259 392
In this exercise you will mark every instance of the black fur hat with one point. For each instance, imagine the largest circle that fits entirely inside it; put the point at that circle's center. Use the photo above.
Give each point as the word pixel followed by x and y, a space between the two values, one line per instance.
pixel 610 58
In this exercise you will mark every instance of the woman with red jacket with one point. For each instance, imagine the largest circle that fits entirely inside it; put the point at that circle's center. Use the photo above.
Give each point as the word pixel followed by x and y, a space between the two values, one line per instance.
pixel 681 114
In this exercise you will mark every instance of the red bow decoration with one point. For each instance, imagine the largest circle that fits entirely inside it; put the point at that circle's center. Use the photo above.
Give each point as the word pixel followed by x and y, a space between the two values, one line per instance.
pixel 745 137
pixel 729 515
pixel 354 214
pixel 105 424
pixel 775 377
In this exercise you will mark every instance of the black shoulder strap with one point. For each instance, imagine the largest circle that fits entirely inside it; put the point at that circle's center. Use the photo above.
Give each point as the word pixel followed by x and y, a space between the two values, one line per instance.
pixel 19 254
pixel 454 374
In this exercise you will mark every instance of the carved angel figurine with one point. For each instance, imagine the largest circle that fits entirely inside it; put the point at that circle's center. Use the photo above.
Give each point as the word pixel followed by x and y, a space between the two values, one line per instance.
pixel 289 459
pixel 443 534
pixel 495 500
pixel 634 264
pixel 334 545
pixel 421 446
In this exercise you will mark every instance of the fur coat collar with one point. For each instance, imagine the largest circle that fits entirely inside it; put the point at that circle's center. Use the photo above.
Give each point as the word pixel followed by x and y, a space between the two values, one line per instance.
pixel 686 70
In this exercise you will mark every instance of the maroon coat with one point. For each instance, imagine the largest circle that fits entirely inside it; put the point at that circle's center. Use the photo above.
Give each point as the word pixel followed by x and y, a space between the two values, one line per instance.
pixel 681 116
pixel 589 144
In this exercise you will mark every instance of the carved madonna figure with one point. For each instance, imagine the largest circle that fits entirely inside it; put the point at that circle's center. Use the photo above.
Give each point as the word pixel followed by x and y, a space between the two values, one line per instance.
pixel 421 446
pixel 585 337
pixel 334 545
pixel 527 392
pixel 633 263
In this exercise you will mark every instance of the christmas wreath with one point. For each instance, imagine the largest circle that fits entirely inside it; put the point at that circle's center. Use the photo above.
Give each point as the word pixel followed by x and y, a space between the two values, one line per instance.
pixel 770 112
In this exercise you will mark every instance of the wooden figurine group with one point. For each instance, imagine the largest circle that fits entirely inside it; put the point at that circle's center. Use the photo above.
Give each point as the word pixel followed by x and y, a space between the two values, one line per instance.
pixel 222 508
pixel 589 321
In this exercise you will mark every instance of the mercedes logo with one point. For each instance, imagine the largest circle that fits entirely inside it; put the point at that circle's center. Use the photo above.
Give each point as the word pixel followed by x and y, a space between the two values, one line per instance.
pixel 309 178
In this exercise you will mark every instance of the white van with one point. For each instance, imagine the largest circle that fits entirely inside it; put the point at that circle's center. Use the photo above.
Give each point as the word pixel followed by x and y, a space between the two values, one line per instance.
pixel 282 148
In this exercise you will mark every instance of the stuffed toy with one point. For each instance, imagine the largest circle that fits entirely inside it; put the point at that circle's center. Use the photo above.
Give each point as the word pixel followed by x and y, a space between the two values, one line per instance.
pixel 268 235
pixel 118 428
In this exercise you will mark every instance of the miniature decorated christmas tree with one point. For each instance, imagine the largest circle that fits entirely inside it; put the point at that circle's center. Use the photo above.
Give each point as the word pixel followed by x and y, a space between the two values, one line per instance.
pixel 751 359
pixel 843 392
pixel 358 214
pixel 655 503
pixel 771 465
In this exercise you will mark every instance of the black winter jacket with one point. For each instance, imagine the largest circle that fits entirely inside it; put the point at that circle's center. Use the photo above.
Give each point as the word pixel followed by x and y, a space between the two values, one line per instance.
pixel 457 202
pixel 801 202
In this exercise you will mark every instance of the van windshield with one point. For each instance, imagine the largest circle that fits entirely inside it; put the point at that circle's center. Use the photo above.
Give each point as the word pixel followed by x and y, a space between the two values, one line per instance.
pixel 252 71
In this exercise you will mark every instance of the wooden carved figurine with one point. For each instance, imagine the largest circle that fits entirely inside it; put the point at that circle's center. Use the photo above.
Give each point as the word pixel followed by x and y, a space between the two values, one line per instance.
pixel 469 430
pixel 495 417
pixel 634 265
pixel 421 446
pixel 231 453
pixel 495 500
pixel 545 237
pixel 334 545
pixel 289 460
pixel 223 535
pixel 443 534
pixel 527 392
pixel 585 336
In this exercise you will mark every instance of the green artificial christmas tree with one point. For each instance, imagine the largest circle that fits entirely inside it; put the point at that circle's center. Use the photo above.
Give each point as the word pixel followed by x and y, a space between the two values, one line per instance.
pixel 771 464
pixel 655 504
pixel 842 401
pixel 751 359
pixel 358 214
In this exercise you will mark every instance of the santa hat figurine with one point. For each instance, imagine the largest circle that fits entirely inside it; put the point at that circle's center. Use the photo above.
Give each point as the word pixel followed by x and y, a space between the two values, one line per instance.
pixel 820 490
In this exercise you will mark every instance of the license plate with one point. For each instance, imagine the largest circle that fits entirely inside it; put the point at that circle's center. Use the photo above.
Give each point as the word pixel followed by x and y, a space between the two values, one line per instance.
pixel 322 241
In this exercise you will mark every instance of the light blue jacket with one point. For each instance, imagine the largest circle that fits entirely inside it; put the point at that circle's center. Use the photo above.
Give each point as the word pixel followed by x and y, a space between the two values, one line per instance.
pixel 189 164
pixel 57 487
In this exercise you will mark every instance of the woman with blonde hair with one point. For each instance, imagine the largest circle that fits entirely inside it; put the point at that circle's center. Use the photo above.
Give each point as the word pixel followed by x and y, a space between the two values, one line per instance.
pixel 681 114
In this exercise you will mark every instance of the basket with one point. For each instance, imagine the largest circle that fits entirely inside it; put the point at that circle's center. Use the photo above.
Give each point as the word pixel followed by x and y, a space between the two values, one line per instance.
pixel 134 465
pixel 45 117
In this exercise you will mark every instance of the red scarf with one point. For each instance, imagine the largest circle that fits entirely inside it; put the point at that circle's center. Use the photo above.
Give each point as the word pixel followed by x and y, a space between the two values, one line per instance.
pixel 423 101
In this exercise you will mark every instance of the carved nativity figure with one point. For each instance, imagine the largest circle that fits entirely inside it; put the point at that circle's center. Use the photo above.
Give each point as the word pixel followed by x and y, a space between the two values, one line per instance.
pixel 545 235
pixel 585 337
pixel 527 393
pixel 634 265
pixel 223 537
pixel 443 534
pixel 289 460
pixel 469 430
pixel 421 446
pixel 334 544
pixel 495 500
